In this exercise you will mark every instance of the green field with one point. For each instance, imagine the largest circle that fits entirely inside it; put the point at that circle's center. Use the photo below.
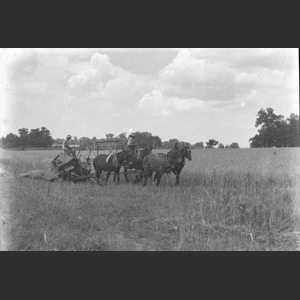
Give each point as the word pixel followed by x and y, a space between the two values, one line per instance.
pixel 228 199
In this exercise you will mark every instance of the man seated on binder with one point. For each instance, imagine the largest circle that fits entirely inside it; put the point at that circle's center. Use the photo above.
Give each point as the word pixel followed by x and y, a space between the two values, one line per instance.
pixel 67 148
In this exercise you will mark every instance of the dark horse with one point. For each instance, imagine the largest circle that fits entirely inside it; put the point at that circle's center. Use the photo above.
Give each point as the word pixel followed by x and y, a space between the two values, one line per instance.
pixel 186 152
pixel 137 162
pixel 109 163
pixel 161 163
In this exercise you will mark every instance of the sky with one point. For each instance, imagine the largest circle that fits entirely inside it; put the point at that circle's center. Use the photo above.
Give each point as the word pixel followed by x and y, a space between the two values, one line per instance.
pixel 192 94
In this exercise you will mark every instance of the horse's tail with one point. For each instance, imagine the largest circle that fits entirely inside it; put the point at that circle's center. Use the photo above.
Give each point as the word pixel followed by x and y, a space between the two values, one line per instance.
pixel 94 162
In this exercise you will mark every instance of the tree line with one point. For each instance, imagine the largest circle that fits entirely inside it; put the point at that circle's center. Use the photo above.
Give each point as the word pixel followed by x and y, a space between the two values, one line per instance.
pixel 39 138
pixel 273 131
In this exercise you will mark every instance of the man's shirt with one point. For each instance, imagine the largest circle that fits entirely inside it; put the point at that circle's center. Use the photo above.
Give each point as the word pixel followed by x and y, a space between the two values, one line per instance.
pixel 67 144
pixel 130 141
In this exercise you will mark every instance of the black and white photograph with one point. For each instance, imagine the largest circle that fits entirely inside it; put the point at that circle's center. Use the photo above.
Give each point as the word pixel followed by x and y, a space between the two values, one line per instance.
pixel 149 149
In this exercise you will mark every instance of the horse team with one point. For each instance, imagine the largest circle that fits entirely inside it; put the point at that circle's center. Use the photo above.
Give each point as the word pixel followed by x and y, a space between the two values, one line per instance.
pixel 144 161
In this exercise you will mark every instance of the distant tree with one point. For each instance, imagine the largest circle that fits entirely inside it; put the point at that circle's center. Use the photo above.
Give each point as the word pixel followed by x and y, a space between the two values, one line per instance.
pixel 122 136
pixel 23 136
pixel 2 142
pixel 221 146
pixel 12 140
pixel 234 146
pixel 172 142
pixel 165 144
pixel 199 145
pixel 109 136
pixel 33 137
pixel 227 146
pixel 86 142
pixel 58 141
pixel 292 129
pixel 157 142
pixel 46 137
pixel 274 131
pixel 143 138
pixel 211 143
pixel 122 139
pixel 182 143
pixel 257 141
pixel 40 138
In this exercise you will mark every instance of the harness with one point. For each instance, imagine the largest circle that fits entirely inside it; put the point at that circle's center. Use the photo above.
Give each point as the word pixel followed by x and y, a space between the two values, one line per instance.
pixel 108 157
pixel 172 163
pixel 115 159
pixel 165 162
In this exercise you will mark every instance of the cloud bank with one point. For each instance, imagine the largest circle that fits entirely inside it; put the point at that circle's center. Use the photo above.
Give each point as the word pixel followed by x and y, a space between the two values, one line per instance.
pixel 203 78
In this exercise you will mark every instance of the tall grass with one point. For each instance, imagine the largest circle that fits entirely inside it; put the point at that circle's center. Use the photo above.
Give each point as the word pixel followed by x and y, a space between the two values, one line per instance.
pixel 227 200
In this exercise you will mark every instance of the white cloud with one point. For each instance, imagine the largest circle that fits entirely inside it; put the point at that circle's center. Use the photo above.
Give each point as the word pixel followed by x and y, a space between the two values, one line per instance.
pixel 66 86
pixel 190 77
pixel 222 77
pixel 102 63
pixel 158 105
pixel 251 59
pixel 92 80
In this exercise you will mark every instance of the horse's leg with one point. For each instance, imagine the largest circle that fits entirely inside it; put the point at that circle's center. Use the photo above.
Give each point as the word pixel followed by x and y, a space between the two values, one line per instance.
pixel 155 177
pixel 145 174
pixel 125 174
pixel 98 173
pixel 150 176
pixel 177 177
pixel 107 175
pixel 117 172
pixel 138 178
pixel 141 175
pixel 158 175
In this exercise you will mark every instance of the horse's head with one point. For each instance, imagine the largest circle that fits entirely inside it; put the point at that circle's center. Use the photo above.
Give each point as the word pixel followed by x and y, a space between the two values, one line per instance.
pixel 146 150
pixel 186 152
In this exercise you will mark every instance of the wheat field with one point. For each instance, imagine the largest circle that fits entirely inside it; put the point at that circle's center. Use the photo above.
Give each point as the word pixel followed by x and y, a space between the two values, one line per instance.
pixel 228 199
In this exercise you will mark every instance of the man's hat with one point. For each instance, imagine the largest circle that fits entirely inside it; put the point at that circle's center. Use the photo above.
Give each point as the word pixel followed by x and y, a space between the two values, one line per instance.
pixel 131 134
pixel 69 136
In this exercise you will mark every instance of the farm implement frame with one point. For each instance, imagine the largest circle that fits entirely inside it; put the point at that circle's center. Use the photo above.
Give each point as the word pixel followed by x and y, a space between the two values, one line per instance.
pixel 73 169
